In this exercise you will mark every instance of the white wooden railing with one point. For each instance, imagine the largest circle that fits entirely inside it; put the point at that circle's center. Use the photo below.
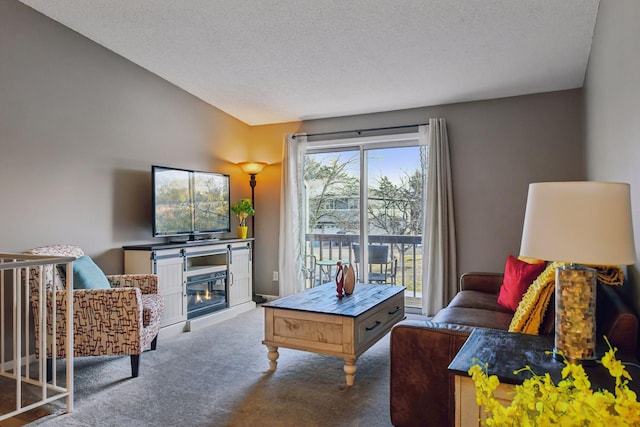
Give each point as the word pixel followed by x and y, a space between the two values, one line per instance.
pixel 19 366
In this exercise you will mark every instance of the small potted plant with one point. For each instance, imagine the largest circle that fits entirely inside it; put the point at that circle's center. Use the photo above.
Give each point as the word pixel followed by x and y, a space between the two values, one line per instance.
pixel 242 210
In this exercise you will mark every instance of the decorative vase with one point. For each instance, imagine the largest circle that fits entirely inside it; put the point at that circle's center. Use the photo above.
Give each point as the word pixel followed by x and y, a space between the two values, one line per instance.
pixel 339 281
pixel 349 279
pixel 242 231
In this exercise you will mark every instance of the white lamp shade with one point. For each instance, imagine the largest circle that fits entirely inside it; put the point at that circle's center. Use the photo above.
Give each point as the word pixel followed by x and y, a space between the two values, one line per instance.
pixel 580 222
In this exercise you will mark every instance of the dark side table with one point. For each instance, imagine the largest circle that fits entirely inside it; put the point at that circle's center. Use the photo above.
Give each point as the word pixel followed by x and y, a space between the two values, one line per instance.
pixel 506 352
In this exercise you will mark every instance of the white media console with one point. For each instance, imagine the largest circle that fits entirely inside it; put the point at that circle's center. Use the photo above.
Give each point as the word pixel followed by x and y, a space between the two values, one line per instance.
pixel 202 282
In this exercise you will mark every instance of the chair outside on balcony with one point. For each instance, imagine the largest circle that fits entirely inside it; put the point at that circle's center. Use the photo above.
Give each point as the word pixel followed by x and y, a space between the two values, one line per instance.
pixel 112 315
pixel 309 270
pixel 381 268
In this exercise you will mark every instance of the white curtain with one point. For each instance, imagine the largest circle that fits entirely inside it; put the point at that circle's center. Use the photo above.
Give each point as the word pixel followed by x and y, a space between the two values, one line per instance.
pixel 439 276
pixel 291 244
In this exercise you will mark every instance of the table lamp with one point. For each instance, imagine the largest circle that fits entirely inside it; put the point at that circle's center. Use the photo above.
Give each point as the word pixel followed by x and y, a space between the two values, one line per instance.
pixel 579 223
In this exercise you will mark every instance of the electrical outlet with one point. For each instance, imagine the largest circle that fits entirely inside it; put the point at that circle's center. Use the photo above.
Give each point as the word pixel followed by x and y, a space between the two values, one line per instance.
pixel 275 276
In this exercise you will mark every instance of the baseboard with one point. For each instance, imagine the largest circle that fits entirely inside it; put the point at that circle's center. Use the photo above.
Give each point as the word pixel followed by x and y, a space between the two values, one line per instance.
pixel 204 321
pixel 213 318
pixel 171 330
pixel 413 310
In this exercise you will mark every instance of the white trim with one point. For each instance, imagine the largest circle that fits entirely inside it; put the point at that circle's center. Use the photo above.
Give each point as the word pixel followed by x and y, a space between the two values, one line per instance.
pixel 398 139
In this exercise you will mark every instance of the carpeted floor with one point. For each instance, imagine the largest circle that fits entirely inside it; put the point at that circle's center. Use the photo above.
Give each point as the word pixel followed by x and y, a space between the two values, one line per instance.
pixel 219 376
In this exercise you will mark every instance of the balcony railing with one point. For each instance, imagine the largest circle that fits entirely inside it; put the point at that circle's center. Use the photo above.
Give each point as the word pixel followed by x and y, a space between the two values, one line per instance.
pixel 407 249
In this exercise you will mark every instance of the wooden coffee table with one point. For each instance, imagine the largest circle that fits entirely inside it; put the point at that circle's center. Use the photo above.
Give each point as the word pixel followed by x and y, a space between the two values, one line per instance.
pixel 316 320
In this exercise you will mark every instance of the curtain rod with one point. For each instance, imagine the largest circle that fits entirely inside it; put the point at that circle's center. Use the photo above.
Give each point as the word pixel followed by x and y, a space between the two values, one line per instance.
pixel 359 131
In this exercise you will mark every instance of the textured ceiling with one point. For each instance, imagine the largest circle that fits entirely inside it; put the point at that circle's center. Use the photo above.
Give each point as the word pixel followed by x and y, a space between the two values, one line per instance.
pixel 271 61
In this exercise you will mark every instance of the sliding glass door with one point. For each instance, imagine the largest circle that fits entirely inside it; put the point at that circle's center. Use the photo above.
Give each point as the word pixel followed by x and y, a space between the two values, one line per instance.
pixel 364 204
pixel 332 206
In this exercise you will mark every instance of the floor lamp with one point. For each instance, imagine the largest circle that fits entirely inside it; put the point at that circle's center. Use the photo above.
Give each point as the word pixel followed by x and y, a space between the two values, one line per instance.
pixel 253 168
pixel 582 224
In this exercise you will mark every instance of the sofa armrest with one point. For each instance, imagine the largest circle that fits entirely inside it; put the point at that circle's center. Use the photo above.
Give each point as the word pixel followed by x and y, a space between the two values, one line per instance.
pixel 483 282
pixel 422 389
pixel 148 283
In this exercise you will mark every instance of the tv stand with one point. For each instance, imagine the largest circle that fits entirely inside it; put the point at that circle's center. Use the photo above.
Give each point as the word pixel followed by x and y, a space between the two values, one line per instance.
pixel 201 241
pixel 193 238
pixel 176 263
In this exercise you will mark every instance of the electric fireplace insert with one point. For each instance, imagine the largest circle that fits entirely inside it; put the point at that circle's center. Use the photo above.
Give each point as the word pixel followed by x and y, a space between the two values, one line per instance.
pixel 206 293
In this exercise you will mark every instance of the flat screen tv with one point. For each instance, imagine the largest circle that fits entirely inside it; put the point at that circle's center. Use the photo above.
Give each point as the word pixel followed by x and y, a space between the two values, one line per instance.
pixel 188 202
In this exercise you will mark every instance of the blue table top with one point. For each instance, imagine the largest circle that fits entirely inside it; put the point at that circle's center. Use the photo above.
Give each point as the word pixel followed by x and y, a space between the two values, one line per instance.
pixel 323 299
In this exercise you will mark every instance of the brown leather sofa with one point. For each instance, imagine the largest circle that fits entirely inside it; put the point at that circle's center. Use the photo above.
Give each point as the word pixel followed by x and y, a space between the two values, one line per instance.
pixel 422 389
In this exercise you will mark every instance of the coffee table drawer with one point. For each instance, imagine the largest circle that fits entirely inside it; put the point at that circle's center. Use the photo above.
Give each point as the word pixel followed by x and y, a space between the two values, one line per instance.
pixel 380 320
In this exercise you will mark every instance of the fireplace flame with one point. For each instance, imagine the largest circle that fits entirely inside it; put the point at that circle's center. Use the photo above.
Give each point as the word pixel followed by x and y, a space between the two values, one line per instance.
pixel 200 297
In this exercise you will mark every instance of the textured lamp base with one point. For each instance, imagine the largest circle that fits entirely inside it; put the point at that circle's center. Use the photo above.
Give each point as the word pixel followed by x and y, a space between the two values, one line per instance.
pixel 575 337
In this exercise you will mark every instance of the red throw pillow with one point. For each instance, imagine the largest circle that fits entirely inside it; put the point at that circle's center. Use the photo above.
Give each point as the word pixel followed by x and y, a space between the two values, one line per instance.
pixel 518 275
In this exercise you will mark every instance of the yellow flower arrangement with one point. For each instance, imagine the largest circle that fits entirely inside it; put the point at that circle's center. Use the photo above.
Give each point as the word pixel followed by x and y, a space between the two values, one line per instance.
pixel 540 402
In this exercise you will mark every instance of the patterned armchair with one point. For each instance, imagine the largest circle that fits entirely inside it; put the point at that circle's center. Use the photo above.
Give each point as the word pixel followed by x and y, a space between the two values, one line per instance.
pixel 122 320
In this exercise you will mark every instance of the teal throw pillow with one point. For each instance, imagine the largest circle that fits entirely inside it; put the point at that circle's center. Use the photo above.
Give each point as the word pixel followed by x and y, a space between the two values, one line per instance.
pixel 87 275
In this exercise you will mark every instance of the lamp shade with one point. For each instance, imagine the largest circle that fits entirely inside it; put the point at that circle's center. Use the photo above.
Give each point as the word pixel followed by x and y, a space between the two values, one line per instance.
pixel 582 222
pixel 252 168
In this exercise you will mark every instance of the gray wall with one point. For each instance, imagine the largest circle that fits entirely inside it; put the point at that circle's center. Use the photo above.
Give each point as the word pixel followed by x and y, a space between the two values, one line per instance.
pixel 80 128
pixel 612 109
pixel 498 147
